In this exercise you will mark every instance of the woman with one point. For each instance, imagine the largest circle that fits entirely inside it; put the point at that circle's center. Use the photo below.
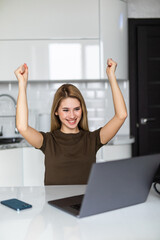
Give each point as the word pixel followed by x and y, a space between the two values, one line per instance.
pixel 69 148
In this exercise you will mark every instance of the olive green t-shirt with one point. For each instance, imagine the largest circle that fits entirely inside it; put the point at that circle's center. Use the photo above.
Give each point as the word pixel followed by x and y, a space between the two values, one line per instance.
pixel 69 157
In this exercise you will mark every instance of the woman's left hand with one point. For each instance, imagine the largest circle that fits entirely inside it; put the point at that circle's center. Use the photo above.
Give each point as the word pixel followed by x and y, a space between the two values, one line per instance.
pixel 111 67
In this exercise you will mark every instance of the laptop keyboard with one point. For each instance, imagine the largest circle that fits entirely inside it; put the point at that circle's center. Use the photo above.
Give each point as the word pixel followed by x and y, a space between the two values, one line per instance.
pixel 76 206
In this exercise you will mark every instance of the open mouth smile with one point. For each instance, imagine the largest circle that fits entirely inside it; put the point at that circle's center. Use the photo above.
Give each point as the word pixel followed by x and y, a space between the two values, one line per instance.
pixel 72 122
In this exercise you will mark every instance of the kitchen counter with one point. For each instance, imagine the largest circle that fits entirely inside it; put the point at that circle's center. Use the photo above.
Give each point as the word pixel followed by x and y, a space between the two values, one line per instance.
pixel 42 221
pixel 21 144
pixel 121 139
pixel 117 140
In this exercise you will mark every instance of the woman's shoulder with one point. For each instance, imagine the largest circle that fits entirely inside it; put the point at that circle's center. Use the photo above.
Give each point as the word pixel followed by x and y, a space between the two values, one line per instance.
pixel 92 134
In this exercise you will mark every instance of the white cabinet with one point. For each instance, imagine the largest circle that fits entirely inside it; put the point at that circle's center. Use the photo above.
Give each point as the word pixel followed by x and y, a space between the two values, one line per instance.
pixel 33 167
pixel 49 19
pixel 11 161
pixel 113 36
pixel 114 152
pixel 21 167
pixel 61 39
pixel 50 59
pixel 117 152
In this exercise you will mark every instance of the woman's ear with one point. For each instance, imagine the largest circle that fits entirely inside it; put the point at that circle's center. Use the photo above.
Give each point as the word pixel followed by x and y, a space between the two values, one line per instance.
pixel 56 113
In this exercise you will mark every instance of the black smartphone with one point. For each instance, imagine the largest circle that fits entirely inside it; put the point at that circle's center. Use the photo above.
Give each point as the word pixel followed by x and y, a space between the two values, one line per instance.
pixel 16 204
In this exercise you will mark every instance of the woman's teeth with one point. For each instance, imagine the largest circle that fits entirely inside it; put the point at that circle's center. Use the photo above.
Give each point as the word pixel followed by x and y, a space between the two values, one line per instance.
pixel 72 121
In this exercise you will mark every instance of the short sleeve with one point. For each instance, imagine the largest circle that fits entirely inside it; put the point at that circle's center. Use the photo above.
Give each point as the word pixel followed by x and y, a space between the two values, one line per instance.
pixel 43 147
pixel 96 135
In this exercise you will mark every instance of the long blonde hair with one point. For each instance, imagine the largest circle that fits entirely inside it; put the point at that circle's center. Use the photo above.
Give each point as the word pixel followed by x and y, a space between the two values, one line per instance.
pixel 65 91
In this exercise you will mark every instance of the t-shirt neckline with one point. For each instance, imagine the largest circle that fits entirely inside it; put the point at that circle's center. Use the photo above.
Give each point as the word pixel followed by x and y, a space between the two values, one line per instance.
pixel 68 134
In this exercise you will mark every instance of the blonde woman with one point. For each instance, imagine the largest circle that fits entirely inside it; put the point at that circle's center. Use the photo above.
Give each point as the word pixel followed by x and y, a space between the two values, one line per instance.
pixel 69 148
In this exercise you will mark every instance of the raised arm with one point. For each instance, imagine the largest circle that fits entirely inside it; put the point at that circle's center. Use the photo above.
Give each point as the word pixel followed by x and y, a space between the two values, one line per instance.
pixel 34 137
pixel 111 128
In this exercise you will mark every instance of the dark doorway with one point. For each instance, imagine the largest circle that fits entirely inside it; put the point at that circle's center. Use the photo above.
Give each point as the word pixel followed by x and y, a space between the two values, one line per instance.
pixel 144 75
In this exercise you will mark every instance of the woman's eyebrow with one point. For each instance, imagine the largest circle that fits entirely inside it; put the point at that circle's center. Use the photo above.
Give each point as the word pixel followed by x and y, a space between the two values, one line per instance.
pixel 69 108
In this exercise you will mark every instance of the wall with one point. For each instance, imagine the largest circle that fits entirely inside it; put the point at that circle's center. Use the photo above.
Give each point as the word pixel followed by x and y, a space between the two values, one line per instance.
pixel 97 95
pixel 143 9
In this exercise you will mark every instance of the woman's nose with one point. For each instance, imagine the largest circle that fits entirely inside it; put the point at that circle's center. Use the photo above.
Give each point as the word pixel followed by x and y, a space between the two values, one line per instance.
pixel 71 114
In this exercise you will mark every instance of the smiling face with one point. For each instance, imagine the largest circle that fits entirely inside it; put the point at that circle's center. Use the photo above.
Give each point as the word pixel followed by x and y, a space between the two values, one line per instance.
pixel 70 113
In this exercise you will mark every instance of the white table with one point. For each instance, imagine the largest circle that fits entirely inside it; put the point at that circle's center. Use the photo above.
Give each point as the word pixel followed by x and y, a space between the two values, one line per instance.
pixel 43 221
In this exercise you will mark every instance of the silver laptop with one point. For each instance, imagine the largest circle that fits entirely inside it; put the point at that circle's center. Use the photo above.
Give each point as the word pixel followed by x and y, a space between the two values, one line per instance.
pixel 113 185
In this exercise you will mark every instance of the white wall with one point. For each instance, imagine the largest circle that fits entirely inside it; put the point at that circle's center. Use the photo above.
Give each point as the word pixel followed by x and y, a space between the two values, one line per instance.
pixel 143 8
pixel 97 95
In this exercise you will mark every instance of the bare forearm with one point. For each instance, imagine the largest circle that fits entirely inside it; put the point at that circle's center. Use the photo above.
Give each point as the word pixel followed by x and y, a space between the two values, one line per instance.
pixel 22 109
pixel 118 100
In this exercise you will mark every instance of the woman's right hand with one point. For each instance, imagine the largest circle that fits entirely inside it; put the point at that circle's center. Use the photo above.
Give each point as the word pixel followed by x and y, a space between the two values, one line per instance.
pixel 22 74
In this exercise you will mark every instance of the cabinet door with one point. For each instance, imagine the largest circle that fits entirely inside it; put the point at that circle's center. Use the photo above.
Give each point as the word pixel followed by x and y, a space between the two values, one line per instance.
pixel 11 167
pixel 50 59
pixel 33 167
pixel 113 35
pixel 48 19
pixel 116 152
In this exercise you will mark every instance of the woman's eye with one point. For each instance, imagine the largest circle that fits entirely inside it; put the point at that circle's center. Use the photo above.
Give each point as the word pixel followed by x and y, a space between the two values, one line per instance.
pixel 77 109
pixel 65 110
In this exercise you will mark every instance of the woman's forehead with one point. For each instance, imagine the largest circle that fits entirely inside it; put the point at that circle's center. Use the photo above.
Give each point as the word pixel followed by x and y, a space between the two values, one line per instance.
pixel 70 102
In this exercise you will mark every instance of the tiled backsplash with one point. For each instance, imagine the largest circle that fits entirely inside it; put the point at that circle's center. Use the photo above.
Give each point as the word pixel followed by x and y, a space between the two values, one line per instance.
pixel 97 95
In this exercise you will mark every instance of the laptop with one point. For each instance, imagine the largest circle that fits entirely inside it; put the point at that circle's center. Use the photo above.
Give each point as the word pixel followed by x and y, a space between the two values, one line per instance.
pixel 113 185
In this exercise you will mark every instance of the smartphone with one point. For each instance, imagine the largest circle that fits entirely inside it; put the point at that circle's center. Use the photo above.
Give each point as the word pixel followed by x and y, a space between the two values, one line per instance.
pixel 16 204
